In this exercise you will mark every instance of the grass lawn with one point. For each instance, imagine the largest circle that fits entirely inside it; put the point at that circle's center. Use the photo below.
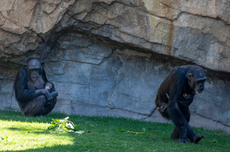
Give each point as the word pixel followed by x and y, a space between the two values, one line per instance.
pixel 19 133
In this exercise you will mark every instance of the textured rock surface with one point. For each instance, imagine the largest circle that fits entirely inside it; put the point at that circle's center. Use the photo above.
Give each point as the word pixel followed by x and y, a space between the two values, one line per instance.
pixel 108 57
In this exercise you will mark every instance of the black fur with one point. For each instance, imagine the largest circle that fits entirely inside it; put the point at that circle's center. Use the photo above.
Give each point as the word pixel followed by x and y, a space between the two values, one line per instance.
pixel 33 102
pixel 182 80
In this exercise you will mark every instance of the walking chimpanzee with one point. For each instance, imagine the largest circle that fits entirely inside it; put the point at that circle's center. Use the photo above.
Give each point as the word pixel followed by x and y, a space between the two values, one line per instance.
pixel 174 96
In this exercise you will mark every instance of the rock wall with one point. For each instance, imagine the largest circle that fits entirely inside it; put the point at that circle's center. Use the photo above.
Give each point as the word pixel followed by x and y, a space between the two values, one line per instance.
pixel 108 57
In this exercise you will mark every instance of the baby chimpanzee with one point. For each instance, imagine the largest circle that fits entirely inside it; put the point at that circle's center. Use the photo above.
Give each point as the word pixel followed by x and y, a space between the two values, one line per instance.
pixel 49 86
pixel 185 100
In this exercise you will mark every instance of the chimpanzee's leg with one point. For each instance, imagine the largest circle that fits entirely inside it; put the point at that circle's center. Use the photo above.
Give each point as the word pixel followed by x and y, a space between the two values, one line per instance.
pixel 34 107
pixel 185 111
pixel 191 135
pixel 175 134
pixel 48 107
pixel 180 122
pixel 39 106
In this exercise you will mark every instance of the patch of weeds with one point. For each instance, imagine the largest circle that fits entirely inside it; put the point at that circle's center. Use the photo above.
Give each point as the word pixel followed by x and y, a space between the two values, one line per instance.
pixel 64 125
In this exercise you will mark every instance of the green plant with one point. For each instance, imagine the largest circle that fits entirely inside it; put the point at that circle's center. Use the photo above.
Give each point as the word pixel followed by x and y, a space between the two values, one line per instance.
pixel 132 132
pixel 64 125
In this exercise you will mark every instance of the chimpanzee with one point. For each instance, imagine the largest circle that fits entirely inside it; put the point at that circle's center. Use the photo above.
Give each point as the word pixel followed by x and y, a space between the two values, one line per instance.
pixel 174 96
pixel 32 98
pixel 49 86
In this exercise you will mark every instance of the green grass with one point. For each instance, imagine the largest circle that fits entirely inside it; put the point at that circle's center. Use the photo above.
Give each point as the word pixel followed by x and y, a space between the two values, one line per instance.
pixel 30 134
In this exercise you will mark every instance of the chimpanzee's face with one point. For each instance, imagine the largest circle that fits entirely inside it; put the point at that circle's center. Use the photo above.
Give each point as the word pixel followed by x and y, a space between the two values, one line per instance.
pixel 197 79
pixel 34 69
pixel 199 86
pixel 48 86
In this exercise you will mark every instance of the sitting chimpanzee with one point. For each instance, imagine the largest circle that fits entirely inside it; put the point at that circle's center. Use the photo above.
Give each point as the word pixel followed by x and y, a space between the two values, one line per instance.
pixel 174 96
pixel 32 98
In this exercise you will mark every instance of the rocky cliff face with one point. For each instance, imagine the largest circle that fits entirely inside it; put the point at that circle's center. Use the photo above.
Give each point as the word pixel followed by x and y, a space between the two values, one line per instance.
pixel 108 57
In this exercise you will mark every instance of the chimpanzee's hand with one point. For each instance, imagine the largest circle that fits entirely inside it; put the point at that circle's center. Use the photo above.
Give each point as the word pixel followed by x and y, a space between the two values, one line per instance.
pixel 47 94
pixel 54 94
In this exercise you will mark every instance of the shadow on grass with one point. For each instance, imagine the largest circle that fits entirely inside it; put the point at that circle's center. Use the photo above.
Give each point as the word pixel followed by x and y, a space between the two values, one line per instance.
pixel 17 116
pixel 38 131
pixel 62 148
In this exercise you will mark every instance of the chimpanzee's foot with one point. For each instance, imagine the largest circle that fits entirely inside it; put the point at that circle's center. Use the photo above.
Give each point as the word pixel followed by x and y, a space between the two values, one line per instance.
pixel 197 138
pixel 183 141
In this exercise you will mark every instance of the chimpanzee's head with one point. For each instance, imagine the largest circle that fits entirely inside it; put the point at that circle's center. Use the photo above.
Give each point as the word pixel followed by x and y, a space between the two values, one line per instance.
pixel 34 68
pixel 196 78
pixel 49 86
